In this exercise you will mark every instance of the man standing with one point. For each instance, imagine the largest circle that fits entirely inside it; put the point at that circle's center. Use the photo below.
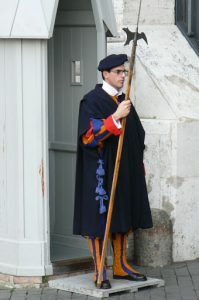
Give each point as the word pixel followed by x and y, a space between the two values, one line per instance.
pixel 98 132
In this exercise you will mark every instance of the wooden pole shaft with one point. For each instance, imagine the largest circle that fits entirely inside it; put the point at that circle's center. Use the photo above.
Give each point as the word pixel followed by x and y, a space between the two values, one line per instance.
pixel 117 165
pixel 114 185
pixel 111 203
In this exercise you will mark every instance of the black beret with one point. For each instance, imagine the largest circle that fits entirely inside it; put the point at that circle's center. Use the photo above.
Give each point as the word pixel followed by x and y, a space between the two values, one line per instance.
pixel 112 61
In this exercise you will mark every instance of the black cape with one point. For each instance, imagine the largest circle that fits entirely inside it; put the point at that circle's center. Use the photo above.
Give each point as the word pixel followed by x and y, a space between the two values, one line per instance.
pixel 131 207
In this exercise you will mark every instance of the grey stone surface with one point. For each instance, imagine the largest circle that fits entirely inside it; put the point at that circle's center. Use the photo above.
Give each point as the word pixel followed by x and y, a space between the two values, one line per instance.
pixel 83 284
pixel 130 246
pixel 168 271
pixel 35 291
pixel 34 297
pixel 158 294
pixel 63 295
pixel 49 290
pixel 182 270
pixel 153 247
pixel 193 267
pixel 142 295
pixel 5 294
pixel 18 295
pixel 195 280
pixel 181 283
pixel 170 281
pixel 125 296
pixel 78 296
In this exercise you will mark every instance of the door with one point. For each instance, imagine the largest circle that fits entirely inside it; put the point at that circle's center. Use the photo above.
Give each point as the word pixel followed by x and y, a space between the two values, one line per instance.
pixel 72 60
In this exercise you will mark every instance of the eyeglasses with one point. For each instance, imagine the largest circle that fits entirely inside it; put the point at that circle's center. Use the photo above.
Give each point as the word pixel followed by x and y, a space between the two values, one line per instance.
pixel 120 72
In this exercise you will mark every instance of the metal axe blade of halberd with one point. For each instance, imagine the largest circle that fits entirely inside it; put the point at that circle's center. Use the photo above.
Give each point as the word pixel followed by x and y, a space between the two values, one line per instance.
pixel 131 36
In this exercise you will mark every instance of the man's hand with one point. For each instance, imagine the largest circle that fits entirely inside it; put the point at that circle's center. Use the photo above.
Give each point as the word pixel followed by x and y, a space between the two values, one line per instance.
pixel 123 110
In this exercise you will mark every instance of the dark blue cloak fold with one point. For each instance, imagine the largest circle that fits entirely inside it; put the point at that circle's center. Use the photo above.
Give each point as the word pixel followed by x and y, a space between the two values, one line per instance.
pixel 131 207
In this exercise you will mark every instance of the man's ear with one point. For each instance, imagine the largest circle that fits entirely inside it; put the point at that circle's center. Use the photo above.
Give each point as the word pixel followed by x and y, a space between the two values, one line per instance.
pixel 105 74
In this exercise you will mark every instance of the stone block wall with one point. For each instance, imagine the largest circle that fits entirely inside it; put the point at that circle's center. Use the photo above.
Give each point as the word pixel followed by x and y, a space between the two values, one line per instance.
pixel 165 92
pixel 153 12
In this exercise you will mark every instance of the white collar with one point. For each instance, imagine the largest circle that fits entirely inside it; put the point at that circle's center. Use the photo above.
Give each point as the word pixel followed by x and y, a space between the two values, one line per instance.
pixel 110 89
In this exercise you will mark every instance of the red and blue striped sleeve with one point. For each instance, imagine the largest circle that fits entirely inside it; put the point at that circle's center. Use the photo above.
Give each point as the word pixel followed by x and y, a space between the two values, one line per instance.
pixel 100 129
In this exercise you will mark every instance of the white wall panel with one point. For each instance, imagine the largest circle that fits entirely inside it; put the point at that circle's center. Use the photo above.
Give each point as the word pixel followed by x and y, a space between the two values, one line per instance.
pixel 3 146
pixel 12 80
pixel 106 8
pixel 9 138
pixel 35 18
pixel 7 12
pixel 49 11
pixel 31 70
pixel 23 157
pixel 29 20
pixel 23 258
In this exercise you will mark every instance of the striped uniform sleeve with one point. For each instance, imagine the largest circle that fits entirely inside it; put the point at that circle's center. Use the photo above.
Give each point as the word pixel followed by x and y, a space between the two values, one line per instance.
pixel 100 130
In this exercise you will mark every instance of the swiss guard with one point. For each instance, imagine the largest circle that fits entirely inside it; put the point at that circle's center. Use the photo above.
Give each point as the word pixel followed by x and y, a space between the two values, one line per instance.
pixel 99 128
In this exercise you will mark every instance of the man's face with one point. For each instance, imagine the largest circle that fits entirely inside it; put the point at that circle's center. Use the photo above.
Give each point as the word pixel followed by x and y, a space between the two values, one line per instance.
pixel 115 76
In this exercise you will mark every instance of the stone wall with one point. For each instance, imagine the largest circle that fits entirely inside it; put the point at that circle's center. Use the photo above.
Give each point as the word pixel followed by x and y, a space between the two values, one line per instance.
pixel 165 92
pixel 153 12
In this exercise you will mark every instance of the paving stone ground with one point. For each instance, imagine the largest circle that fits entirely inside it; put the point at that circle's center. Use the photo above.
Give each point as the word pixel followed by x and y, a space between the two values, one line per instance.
pixel 181 283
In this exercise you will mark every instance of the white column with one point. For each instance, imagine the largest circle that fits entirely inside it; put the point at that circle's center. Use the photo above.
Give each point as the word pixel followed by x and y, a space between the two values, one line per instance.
pixel 24 242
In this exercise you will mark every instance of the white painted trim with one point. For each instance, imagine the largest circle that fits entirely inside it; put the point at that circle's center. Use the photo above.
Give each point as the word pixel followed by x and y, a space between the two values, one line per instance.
pixel 15 270
pixel 108 16
pixel 26 258
pixel 8 11
pixel 20 142
pixel 103 14
pixel 101 35
pixel 45 150
pixel 27 19
pixel 36 19
pixel 25 240
pixel 50 14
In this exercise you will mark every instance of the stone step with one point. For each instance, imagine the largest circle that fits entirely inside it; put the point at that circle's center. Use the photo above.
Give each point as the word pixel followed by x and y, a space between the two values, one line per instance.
pixel 83 284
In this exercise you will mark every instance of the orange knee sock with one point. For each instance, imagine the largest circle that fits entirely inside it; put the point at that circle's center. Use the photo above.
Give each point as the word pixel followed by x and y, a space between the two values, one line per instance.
pixel 95 245
pixel 120 266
